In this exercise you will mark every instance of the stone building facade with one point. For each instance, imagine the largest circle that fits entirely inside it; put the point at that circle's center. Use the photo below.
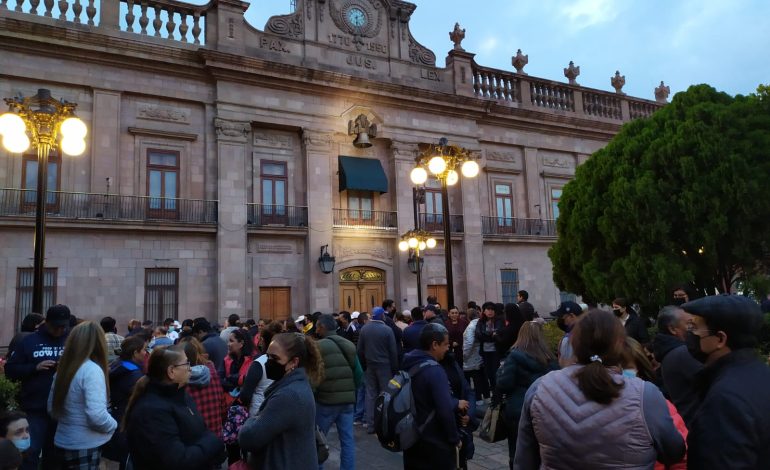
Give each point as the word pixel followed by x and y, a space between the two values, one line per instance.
pixel 212 176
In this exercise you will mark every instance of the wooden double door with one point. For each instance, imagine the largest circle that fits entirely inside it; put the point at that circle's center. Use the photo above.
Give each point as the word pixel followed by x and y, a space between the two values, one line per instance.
pixel 361 289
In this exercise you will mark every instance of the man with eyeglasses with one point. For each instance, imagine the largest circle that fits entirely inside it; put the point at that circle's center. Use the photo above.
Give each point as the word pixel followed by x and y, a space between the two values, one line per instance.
pixel 731 429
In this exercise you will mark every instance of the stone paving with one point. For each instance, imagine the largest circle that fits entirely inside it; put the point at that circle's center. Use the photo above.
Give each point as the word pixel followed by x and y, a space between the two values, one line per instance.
pixel 371 456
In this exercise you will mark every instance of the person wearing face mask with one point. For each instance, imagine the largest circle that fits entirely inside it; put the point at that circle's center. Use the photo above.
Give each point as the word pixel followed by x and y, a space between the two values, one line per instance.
pixel 282 435
pixel 677 366
pixel 15 428
pixel 162 424
pixel 566 316
pixel 731 429
pixel 632 322
pixel 681 295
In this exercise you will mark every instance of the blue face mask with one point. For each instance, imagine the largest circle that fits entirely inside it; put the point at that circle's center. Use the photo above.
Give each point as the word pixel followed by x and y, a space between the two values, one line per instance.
pixel 629 373
pixel 22 444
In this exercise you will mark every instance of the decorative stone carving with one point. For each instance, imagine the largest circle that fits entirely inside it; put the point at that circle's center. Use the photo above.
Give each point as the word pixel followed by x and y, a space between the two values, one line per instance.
pixel 338 11
pixel 361 125
pixel 617 82
pixel 509 157
pixel 264 139
pixel 163 113
pixel 321 4
pixel 662 92
pixel 457 37
pixel 519 61
pixel 556 162
pixel 309 8
pixel 274 248
pixel 234 129
pixel 291 26
pixel 572 73
pixel 374 252
pixel 420 54
pixel 356 275
pixel 404 150
pixel 315 139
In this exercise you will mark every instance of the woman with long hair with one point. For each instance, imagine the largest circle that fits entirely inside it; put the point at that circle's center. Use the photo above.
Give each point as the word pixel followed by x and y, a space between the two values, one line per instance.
pixel 282 435
pixel 204 386
pixel 124 373
pixel 510 332
pixel 163 426
pixel 240 356
pixel 79 397
pixel 256 382
pixel 529 359
pixel 589 415
pixel 487 331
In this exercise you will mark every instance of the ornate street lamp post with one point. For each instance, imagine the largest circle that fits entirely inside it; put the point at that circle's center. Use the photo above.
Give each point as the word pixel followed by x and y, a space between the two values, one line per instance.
pixel 417 240
pixel 442 161
pixel 39 120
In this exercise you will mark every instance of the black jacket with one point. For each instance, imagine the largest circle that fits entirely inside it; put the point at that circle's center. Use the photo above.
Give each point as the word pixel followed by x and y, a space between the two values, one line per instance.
pixel 123 377
pixel 636 328
pixel 486 334
pixel 164 430
pixel 731 429
pixel 38 347
pixel 677 370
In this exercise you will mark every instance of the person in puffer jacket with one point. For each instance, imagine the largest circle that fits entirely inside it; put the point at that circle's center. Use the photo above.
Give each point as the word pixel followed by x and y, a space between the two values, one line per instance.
pixel 589 415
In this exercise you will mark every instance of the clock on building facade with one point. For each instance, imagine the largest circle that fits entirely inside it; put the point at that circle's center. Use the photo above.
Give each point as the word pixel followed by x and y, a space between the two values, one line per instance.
pixel 357 17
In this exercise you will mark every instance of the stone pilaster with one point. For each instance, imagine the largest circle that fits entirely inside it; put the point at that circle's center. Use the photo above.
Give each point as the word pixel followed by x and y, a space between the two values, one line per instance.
pixel 473 245
pixel 534 188
pixel 232 151
pixel 404 155
pixel 320 167
pixel 105 142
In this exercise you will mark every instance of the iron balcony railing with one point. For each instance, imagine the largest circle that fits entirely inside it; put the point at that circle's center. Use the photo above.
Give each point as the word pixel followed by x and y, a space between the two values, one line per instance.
pixel 513 226
pixel 357 218
pixel 435 223
pixel 270 215
pixel 92 206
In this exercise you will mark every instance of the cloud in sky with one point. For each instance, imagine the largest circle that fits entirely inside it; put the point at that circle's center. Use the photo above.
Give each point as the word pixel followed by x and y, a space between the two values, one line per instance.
pixel 488 45
pixel 586 13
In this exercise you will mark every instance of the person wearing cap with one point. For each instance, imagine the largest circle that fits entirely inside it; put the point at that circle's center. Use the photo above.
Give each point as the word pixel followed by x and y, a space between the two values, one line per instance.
pixel 34 362
pixel 377 352
pixel 566 316
pixel 431 314
pixel 411 336
pixel 731 429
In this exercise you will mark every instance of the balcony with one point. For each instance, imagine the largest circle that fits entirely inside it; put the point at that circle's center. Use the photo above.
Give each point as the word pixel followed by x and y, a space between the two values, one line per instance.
pixel 435 223
pixel 506 226
pixel 365 219
pixel 108 207
pixel 271 215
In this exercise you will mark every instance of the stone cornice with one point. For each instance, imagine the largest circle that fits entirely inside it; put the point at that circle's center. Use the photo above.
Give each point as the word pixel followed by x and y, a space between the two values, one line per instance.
pixel 162 133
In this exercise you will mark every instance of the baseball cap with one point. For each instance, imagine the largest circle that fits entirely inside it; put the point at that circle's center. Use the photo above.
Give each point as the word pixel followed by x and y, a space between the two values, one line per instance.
pixel 355 315
pixel 58 315
pixel 406 313
pixel 377 313
pixel 300 318
pixel 567 307
pixel 432 308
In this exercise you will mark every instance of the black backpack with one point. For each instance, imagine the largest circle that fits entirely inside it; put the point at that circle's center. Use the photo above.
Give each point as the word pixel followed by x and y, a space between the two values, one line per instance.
pixel 395 414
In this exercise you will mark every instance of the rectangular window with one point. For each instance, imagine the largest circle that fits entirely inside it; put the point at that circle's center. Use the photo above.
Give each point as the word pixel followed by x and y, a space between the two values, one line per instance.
pixel 274 182
pixel 29 181
pixel 360 205
pixel 509 279
pixel 162 183
pixel 555 197
pixel 161 294
pixel 24 286
pixel 434 206
pixel 504 205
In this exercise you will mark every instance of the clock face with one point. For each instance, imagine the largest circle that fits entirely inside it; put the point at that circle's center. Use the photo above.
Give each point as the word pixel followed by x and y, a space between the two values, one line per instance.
pixel 356 17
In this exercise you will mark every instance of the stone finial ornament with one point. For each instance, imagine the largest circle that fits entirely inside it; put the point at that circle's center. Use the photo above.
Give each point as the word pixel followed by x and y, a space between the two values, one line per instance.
pixel 519 61
pixel 457 37
pixel 572 73
pixel 662 92
pixel 617 82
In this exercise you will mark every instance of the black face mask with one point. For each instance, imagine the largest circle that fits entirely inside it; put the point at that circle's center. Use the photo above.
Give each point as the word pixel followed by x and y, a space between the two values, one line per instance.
pixel 693 347
pixel 561 324
pixel 274 370
pixel 679 301
pixel 617 312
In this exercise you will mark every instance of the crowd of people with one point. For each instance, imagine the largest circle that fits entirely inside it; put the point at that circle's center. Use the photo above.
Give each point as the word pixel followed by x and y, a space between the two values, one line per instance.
pixel 259 394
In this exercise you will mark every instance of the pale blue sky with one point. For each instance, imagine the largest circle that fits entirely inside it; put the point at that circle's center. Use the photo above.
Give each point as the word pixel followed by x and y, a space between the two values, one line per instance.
pixel 720 42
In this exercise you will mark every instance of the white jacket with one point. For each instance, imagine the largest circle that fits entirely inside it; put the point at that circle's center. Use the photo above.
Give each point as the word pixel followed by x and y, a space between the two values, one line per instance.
pixel 471 356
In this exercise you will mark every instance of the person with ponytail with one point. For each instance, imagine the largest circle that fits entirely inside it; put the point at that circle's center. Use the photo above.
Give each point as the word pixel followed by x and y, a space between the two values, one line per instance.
pixel 163 426
pixel 78 399
pixel 282 435
pixel 591 415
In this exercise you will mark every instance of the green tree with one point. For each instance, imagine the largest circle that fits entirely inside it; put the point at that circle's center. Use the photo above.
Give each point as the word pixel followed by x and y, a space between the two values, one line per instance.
pixel 679 196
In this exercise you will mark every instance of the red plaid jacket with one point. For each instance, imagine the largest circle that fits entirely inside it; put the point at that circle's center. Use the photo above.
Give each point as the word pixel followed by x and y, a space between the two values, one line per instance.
pixel 210 401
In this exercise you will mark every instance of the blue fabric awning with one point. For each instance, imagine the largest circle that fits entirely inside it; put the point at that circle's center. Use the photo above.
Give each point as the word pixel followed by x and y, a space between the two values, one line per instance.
pixel 362 174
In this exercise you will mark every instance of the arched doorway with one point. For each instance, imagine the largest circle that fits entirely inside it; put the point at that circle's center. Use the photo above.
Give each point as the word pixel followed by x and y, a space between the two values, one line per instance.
pixel 361 288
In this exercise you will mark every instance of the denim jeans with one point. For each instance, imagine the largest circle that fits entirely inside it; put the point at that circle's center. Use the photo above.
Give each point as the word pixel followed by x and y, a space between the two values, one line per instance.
pixel 358 410
pixel 342 416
